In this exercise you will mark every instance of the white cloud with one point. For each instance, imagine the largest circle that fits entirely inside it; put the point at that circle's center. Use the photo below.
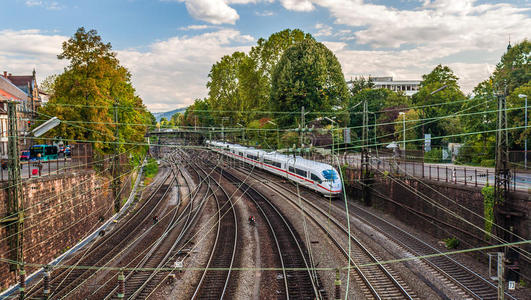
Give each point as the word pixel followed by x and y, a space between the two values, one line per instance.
pixel 196 27
pixel 174 72
pixel 265 13
pixel 50 5
pixel 23 50
pixel 212 11
pixel 298 5
pixel 324 30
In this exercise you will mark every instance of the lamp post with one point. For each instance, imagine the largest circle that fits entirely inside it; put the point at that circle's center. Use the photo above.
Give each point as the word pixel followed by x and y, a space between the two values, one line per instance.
pixel 223 128
pixel 403 114
pixel 278 136
pixel 525 141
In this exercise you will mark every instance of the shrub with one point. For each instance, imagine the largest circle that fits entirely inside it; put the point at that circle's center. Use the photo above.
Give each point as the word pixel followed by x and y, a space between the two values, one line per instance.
pixel 451 243
pixel 488 163
pixel 433 156
pixel 151 168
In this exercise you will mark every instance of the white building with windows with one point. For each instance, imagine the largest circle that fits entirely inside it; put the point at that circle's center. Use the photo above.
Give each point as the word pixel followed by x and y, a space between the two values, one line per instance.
pixel 408 87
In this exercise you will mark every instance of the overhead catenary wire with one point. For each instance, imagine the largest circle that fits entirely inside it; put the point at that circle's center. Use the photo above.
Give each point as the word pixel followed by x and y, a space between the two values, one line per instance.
pixel 166 269
pixel 26 228
pixel 450 212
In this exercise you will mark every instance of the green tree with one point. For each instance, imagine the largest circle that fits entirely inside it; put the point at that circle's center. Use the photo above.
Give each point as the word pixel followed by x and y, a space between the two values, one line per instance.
pixel 514 68
pixel 308 74
pixel 224 90
pixel 411 120
pixel 86 91
pixel 359 84
pixel 438 104
pixel 266 55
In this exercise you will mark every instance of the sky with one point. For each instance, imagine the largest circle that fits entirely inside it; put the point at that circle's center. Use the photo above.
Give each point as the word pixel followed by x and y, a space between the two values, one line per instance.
pixel 169 46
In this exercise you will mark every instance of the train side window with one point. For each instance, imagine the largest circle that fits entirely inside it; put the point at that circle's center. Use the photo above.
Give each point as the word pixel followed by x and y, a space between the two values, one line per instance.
pixel 241 154
pixel 315 178
pixel 301 172
pixel 292 169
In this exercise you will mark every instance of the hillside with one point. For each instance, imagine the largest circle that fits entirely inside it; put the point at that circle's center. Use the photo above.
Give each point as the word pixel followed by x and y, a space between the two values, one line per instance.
pixel 168 114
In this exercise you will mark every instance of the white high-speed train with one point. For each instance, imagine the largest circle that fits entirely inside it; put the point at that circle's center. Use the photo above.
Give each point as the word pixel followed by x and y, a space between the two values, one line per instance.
pixel 317 176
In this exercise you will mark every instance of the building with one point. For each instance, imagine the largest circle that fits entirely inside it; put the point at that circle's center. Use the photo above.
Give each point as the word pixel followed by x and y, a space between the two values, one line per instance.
pixel 28 84
pixel 10 92
pixel 408 87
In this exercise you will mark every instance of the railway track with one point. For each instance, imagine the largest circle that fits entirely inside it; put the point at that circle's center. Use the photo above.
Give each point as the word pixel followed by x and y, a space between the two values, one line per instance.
pixel 292 253
pixel 214 283
pixel 470 282
pixel 66 280
pixel 379 281
pixel 165 250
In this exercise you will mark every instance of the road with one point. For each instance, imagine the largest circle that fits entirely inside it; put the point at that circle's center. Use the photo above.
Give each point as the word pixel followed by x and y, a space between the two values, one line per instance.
pixel 457 174
pixel 48 167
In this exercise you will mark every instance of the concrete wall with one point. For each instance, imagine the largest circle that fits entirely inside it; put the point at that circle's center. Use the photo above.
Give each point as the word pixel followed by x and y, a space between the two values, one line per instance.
pixel 422 204
pixel 60 211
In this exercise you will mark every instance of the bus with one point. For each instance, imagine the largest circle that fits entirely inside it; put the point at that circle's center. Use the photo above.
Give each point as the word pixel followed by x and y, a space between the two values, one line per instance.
pixel 47 152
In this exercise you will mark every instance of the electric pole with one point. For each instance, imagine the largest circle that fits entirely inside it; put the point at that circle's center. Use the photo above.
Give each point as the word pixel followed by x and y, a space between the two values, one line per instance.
pixel 14 220
pixel 116 161
pixel 365 155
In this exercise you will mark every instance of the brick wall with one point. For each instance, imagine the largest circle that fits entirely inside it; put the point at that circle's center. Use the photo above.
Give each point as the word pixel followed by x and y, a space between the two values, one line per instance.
pixel 60 211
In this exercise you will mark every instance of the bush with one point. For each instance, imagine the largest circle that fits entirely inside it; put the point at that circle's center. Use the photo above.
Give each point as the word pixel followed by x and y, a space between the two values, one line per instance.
pixel 151 168
pixel 451 243
pixel 488 163
pixel 433 156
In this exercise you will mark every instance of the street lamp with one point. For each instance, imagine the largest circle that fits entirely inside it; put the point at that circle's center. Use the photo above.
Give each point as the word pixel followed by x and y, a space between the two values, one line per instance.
pixel 278 136
pixel 223 128
pixel 404 129
pixel 525 142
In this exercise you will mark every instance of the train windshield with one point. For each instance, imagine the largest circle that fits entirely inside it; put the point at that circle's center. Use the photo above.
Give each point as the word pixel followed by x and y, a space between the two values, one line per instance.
pixel 330 175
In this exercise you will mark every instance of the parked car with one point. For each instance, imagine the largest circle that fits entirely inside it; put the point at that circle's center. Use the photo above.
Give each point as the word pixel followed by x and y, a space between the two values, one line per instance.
pixel 3 162
pixel 24 156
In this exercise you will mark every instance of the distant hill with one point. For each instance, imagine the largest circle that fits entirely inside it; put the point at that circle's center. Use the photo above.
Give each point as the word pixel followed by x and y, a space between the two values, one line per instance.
pixel 168 114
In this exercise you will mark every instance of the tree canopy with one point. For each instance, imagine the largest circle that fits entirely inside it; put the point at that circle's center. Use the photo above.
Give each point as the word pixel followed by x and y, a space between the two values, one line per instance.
pixel 88 88
pixel 308 74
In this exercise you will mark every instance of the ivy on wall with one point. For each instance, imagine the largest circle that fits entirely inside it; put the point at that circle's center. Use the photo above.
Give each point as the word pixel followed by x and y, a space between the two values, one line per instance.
pixel 488 209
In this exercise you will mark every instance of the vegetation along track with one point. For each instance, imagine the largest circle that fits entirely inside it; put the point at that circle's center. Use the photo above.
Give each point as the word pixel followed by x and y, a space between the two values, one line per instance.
pixel 215 279
pixel 298 280
pixel 65 280
pixel 379 281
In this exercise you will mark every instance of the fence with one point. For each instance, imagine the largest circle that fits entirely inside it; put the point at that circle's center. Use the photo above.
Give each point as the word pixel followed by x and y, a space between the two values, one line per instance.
pixel 81 158
pixel 468 176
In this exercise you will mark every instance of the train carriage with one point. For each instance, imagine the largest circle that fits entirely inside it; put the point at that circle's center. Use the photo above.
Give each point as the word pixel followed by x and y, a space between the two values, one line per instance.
pixel 317 176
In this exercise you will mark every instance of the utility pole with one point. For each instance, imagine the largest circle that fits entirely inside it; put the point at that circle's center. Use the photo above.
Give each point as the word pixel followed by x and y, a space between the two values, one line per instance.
pixel 501 282
pixel 116 162
pixel 14 220
pixel 365 156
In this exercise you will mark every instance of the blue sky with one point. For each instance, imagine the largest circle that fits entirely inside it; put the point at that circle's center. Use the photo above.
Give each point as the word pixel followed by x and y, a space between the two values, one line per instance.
pixel 170 45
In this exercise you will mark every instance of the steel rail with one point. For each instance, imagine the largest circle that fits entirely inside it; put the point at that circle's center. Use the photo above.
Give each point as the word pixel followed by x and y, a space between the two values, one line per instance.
pixel 360 272
pixel 86 255
pixel 248 189
pixel 200 287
